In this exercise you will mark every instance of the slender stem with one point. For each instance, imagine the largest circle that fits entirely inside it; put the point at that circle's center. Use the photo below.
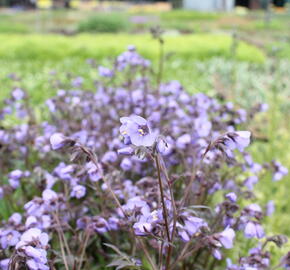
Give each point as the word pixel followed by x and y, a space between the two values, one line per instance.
pixel 87 237
pixel 160 260
pixel 174 214
pixel 62 250
pixel 185 254
pixel 62 234
pixel 192 178
pixel 146 252
pixel 168 257
pixel 162 198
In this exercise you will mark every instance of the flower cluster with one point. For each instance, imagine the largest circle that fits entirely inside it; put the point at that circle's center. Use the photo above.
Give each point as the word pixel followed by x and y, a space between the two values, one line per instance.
pixel 129 166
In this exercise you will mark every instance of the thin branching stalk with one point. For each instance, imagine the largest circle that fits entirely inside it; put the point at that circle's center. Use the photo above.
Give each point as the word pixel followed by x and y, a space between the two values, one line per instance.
pixel 165 215
pixel 175 215
pixel 62 250
pixel 62 234
pixel 87 237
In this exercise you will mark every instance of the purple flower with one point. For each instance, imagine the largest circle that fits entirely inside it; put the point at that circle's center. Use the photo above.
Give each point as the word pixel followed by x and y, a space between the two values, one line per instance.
pixel 78 191
pixel 95 174
pixel 110 157
pixel 226 238
pixel 57 141
pixel 105 72
pixel 49 196
pixel 39 255
pixel 126 151
pixel 31 221
pixel 99 225
pixel 237 139
pixel 183 141
pixel 142 228
pixel 15 219
pixel 9 238
pixel 137 130
pixel 231 196
pixel 137 203
pixel 33 235
pixel 251 181
pixel 253 229
pixel 113 223
pixel 4 264
pixel 16 174
pixel 279 171
pixel 126 164
pixel 18 94
pixel 193 224
pixel 14 183
pixel 34 265
pixel 77 82
pixel 217 254
pixel 253 209
pixel 270 208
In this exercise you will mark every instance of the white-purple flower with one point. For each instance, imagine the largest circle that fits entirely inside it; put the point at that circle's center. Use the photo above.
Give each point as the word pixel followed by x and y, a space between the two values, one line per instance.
pixel 135 129
pixel 58 141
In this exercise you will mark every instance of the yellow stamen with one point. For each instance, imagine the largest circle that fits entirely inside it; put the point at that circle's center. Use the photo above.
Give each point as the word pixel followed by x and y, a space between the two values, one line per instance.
pixel 141 131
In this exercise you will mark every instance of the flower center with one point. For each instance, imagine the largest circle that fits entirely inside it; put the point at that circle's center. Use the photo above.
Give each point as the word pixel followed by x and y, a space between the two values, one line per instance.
pixel 9 237
pixel 143 130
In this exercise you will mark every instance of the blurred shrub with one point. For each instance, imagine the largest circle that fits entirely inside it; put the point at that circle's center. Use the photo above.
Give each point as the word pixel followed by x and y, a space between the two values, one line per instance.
pixel 104 23
pixel 188 15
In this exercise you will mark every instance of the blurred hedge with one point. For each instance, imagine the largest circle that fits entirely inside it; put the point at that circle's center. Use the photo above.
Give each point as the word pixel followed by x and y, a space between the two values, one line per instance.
pixel 104 23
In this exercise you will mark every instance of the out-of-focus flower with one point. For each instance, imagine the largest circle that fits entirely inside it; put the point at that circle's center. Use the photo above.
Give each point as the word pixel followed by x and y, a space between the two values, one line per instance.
pixel 58 140
pixel 231 196
pixel 18 94
pixel 126 151
pixel 279 171
pixel 251 181
pixel 9 238
pixel 4 264
pixel 78 191
pixel 15 219
pixel 237 139
pixel 253 229
pixel 226 238
pixel 270 208
pixel 105 72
